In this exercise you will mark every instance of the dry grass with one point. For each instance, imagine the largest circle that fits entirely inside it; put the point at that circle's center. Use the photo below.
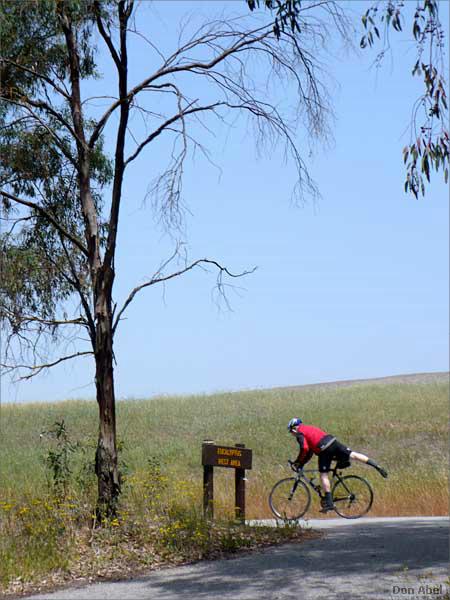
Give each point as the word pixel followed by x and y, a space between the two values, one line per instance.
pixel 47 544
pixel 45 538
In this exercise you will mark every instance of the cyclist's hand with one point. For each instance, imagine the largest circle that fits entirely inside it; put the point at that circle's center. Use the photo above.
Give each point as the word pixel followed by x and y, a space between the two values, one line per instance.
pixel 295 466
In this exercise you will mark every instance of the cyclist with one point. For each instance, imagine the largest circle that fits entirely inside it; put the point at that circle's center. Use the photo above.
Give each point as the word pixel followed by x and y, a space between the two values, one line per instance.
pixel 313 440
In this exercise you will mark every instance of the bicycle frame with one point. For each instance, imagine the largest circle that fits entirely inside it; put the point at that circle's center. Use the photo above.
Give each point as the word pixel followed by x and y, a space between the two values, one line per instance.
pixel 335 476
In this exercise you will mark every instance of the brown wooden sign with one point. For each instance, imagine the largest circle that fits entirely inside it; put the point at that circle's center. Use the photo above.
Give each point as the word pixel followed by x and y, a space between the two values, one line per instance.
pixel 226 456
pixel 236 457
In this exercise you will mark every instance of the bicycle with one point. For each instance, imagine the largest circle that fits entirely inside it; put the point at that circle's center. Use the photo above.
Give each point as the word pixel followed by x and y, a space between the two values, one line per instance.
pixel 290 498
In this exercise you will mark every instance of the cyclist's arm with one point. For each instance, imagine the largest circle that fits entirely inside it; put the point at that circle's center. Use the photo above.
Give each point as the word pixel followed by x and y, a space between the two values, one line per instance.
pixel 303 458
pixel 305 453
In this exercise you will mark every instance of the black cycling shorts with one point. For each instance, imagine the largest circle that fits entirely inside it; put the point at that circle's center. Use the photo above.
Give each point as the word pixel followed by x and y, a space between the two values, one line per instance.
pixel 336 451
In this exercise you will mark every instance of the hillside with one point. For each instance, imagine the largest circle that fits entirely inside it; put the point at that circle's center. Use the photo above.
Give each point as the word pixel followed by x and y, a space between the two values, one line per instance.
pixel 400 421
pixel 434 377
pixel 45 528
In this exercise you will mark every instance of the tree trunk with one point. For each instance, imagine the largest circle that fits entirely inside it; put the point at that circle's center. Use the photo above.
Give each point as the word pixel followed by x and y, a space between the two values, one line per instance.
pixel 106 466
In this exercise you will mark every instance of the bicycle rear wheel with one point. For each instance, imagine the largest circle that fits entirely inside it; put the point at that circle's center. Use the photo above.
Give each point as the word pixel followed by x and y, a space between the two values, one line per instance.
pixel 352 497
pixel 289 499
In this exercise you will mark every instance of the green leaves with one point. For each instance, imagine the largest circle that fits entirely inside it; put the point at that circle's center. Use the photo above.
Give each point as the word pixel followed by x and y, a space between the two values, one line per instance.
pixel 369 18
pixel 430 150
pixel 39 159
pixel 369 25
pixel 421 157
pixel 30 284
pixel 286 16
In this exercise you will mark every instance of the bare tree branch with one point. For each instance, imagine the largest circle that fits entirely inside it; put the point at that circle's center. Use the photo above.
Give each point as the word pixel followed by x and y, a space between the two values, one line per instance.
pixel 246 40
pixel 166 124
pixel 163 278
pixel 119 162
pixel 50 322
pixel 104 34
pixel 36 369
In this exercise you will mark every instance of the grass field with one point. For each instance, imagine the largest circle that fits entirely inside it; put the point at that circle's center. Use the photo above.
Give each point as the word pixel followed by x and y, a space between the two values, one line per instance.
pixel 402 425
pixel 48 537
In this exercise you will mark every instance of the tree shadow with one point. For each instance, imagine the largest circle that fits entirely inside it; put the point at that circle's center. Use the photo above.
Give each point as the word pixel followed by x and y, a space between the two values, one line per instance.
pixel 372 552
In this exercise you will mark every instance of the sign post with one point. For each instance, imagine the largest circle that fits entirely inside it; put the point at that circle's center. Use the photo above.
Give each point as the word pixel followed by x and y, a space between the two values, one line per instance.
pixel 236 457
pixel 208 486
pixel 239 478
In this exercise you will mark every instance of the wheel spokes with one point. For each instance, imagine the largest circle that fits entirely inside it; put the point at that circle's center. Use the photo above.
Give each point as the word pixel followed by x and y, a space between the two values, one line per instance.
pixel 352 497
pixel 289 499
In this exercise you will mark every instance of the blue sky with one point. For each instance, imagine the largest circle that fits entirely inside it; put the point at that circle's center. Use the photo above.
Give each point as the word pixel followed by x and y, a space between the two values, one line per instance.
pixel 353 285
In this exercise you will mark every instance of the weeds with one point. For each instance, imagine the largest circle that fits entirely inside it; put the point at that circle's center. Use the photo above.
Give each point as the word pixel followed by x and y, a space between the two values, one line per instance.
pixel 45 540
pixel 58 458
pixel 36 538
pixel 46 503
pixel 50 538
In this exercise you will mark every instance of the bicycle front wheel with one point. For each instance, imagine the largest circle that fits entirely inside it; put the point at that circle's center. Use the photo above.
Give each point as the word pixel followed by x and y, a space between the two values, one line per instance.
pixel 289 499
pixel 352 497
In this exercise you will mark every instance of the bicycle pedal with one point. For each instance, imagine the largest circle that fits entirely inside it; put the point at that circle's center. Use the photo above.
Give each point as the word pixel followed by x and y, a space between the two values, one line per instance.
pixel 326 509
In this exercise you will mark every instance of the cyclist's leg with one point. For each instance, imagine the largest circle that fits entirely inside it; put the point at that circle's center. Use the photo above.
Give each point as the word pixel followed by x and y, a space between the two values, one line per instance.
pixel 358 456
pixel 325 481
pixel 325 459
pixel 342 452
pixel 365 459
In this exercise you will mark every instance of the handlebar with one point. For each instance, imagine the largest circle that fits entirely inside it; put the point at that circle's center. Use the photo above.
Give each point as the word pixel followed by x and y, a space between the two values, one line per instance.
pixel 295 467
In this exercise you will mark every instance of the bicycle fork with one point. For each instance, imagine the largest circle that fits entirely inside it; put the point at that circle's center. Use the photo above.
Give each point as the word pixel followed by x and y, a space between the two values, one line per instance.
pixel 294 487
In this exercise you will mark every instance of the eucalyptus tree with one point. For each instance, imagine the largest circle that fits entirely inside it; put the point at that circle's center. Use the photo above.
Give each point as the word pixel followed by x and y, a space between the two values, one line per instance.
pixel 429 145
pixel 62 186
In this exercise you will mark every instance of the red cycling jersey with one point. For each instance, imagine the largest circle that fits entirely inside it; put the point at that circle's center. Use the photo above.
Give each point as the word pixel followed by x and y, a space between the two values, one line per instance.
pixel 312 436
pixel 308 438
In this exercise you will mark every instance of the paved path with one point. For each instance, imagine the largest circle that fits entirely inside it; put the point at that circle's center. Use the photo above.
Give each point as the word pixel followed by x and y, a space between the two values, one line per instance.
pixel 375 559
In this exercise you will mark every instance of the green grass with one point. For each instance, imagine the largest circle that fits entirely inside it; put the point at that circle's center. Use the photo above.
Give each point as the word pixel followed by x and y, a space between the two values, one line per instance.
pixel 402 426
pixel 48 540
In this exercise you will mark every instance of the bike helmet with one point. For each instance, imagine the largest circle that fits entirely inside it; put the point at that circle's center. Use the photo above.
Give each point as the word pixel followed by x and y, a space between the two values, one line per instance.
pixel 294 423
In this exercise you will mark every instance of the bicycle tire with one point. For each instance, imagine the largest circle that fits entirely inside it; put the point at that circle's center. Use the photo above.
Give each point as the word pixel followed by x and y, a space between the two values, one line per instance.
pixel 352 496
pixel 289 509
